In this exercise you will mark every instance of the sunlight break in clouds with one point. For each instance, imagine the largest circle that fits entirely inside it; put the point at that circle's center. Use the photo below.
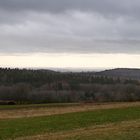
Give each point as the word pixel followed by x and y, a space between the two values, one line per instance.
pixel 84 61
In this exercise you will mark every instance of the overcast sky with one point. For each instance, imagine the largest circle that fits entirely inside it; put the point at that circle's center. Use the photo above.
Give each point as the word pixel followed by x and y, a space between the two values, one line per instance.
pixel 70 27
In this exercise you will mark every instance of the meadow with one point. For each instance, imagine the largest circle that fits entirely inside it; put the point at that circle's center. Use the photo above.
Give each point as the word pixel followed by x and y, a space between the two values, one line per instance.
pixel 71 121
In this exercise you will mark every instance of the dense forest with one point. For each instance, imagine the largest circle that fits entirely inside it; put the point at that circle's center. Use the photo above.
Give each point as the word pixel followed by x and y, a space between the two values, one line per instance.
pixel 20 86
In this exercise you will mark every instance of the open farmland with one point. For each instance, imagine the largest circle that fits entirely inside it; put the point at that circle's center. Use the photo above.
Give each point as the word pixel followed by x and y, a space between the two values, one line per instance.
pixel 75 121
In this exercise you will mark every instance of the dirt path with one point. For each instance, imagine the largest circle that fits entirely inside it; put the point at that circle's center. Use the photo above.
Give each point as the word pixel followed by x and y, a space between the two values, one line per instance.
pixel 46 111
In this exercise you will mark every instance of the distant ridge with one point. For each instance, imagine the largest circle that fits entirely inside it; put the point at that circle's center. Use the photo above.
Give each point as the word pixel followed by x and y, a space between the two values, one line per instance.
pixel 121 72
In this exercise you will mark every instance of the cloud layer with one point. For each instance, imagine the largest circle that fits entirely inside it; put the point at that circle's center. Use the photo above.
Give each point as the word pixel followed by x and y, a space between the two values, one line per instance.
pixel 70 26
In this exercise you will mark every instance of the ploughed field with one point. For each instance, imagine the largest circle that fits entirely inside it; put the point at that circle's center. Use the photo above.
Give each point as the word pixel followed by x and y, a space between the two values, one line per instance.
pixel 78 121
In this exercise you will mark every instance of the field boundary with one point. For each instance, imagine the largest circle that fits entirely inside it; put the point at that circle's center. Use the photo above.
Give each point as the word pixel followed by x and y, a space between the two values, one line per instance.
pixel 53 110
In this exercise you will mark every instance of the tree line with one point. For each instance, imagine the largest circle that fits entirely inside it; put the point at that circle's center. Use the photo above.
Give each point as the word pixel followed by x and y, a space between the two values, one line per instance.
pixel 44 86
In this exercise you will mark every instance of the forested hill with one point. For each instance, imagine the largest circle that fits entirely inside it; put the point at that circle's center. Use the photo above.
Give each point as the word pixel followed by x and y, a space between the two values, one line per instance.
pixel 46 86
pixel 121 72
pixel 35 77
pixel 39 77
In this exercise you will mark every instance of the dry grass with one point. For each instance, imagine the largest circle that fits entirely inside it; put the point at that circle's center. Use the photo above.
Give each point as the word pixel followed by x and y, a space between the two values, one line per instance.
pixel 96 131
pixel 46 111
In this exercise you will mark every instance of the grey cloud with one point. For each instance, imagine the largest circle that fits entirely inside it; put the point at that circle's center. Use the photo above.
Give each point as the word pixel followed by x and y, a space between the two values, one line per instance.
pixel 105 6
pixel 74 26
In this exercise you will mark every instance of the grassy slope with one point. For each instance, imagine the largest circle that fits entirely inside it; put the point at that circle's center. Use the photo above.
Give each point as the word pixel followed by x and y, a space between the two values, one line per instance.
pixel 125 131
pixel 12 128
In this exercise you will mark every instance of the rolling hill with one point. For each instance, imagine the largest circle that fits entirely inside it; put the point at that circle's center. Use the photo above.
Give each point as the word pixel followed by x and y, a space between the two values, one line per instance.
pixel 121 72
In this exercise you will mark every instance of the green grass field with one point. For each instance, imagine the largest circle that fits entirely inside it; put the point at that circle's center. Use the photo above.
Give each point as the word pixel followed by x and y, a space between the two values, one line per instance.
pixel 32 126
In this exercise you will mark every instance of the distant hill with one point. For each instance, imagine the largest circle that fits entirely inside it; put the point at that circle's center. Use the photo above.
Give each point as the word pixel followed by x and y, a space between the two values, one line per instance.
pixel 121 72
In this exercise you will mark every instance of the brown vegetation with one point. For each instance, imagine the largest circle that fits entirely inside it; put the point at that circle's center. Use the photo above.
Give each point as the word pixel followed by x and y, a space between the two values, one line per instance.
pixel 45 111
